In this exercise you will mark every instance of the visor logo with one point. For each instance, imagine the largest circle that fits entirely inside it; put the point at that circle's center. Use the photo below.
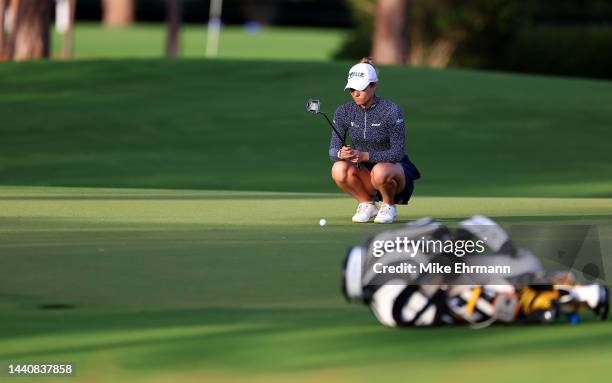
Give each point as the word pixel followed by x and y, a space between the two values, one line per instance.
pixel 356 74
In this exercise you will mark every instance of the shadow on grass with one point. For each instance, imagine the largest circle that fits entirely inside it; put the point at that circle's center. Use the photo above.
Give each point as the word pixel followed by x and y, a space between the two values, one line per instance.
pixel 259 339
pixel 220 196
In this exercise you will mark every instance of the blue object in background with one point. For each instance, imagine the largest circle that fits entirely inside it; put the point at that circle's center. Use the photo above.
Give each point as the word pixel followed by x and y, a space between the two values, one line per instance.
pixel 252 27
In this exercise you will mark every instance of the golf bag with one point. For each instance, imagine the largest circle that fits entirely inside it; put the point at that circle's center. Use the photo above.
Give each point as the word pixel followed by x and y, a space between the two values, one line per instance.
pixel 424 298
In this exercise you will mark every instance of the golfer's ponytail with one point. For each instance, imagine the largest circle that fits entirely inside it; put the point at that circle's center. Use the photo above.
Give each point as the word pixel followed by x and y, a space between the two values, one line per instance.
pixel 368 60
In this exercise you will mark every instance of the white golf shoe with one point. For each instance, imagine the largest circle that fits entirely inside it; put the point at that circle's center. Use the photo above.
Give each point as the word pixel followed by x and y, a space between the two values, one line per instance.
pixel 365 211
pixel 386 214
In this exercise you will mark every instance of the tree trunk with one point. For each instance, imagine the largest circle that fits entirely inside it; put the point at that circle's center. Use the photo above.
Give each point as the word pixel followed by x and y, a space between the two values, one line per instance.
pixel 30 34
pixel 117 13
pixel 12 21
pixel 174 16
pixel 390 40
pixel 3 52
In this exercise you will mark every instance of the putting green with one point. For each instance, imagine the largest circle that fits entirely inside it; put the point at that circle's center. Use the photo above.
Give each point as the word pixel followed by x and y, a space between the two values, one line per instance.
pixel 165 285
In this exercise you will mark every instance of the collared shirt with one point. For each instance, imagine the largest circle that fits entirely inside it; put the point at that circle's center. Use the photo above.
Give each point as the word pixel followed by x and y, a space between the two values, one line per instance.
pixel 378 130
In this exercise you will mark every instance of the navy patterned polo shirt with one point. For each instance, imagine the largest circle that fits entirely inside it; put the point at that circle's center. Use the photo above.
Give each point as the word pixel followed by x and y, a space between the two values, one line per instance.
pixel 378 130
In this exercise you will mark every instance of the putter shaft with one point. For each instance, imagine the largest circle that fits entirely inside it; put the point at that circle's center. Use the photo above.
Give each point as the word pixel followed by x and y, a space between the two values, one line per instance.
pixel 334 128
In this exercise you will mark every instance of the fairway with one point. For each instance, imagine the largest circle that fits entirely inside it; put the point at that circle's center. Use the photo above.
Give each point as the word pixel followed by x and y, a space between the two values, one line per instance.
pixel 165 285
pixel 148 41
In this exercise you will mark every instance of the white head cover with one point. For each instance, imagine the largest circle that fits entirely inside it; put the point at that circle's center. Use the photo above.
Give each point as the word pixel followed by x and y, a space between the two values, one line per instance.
pixel 360 76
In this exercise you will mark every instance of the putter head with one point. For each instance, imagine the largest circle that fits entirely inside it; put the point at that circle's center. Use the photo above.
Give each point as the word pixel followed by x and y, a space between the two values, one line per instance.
pixel 313 106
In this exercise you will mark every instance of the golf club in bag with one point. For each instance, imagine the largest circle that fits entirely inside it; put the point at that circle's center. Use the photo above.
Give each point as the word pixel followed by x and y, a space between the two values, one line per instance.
pixel 527 294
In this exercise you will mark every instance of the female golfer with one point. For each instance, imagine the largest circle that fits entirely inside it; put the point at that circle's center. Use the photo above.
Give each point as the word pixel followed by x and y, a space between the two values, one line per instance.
pixel 374 167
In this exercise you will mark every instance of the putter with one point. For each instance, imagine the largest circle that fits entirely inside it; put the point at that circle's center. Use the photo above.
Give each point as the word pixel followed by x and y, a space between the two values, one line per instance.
pixel 314 106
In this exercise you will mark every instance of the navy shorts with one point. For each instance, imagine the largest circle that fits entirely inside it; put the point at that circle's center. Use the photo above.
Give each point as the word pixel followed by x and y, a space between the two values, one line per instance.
pixel 411 173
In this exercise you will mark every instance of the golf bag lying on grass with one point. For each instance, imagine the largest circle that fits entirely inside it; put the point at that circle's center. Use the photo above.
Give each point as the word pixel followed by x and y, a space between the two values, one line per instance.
pixel 406 283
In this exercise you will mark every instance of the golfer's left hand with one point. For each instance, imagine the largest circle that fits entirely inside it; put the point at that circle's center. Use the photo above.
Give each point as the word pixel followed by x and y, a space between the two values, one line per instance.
pixel 359 156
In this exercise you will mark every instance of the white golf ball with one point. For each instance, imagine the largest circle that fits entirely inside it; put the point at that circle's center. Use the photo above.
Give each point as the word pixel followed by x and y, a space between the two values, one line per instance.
pixel 322 222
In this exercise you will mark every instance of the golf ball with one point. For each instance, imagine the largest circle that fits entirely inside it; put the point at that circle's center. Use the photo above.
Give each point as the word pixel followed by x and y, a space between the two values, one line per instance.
pixel 322 222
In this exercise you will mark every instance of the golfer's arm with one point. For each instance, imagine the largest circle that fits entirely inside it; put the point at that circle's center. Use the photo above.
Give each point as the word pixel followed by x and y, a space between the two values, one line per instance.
pixel 335 143
pixel 334 148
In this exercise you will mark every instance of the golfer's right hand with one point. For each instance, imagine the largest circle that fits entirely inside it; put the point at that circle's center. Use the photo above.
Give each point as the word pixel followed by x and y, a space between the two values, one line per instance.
pixel 346 153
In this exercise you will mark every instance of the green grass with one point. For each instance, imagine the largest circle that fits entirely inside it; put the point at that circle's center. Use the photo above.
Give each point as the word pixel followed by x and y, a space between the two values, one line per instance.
pixel 148 41
pixel 191 249
pixel 190 285
pixel 240 125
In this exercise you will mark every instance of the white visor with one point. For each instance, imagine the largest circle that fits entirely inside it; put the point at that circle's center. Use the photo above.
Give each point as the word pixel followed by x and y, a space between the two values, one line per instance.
pixel 360 76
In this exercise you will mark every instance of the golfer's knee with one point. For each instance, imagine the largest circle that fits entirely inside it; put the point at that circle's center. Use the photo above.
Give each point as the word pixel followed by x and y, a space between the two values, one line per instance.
pixel 340 172
pixel 381 176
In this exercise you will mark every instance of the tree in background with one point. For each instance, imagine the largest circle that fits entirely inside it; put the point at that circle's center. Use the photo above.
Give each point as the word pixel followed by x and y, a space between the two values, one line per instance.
pixel 435 31
pixel 390 37
pixel 473 33
pixel 174 16
pixel 117 13
pixel 3 52
pixel 359 42
pixel 28 37
pixel 380 31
